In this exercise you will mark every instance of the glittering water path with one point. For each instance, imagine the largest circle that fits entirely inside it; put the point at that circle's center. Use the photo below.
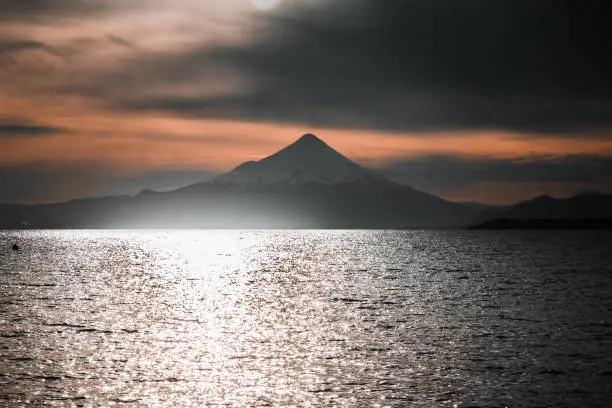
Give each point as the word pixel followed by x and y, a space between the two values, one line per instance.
pixel 306 318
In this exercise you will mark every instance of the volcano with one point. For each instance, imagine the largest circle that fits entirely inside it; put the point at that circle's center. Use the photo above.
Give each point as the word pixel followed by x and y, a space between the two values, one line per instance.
pixel 307 184
pixel 308 161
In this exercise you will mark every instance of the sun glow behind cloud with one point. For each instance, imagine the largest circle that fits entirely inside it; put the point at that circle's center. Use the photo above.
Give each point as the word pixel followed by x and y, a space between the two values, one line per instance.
pixel 266 4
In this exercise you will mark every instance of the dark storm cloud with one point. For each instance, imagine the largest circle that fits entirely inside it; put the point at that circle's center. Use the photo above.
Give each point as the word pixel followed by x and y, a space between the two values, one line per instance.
pixel 19 130
pixel 47 10
pixel 439 173
pixel 120 41
pixel 7 47
pixel 539 66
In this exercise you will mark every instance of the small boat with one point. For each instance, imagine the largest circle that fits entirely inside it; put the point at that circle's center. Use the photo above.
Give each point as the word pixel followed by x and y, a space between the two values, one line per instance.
pixel 15 247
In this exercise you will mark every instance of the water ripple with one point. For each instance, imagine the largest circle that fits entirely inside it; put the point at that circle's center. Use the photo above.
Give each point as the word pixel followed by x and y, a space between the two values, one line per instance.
pixel 306 319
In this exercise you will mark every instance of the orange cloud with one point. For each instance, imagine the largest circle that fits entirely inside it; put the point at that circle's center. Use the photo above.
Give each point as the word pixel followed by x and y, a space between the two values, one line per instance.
pixel 147 141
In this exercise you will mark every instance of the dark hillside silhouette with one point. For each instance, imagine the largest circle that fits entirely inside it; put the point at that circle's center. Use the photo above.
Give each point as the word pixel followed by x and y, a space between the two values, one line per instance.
pixel 305 185
pixel 547 224
pixel 585 206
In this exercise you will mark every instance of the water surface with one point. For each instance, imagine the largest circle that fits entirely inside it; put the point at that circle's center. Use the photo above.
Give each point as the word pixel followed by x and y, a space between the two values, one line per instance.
pixel 306 319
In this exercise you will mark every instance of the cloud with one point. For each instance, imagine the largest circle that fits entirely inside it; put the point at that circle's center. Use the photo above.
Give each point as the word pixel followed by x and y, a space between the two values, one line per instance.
pixel 48 10
pixel 7 47
pixel 120 41
pixel 440 174
pixel 420 65
pixel 11 130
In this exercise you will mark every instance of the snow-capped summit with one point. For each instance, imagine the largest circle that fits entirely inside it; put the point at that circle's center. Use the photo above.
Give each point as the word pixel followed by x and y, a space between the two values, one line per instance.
pixel 308 161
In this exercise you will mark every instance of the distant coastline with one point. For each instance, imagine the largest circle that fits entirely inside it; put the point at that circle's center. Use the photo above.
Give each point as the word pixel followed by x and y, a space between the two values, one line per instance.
pixel 545 224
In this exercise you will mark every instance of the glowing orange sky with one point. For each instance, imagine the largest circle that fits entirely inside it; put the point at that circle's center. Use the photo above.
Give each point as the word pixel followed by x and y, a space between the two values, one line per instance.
pixel 150 141
pixel 35 89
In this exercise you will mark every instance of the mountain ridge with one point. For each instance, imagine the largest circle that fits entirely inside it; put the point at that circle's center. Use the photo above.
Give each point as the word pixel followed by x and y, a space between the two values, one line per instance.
pixel 307 184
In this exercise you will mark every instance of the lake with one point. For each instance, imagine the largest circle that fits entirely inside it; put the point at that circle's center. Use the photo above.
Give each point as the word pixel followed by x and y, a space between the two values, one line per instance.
pixel 306 318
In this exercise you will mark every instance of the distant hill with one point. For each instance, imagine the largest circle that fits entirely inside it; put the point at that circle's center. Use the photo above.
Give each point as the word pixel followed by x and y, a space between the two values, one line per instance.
pixel 581 206
pixel 562 211
pixel 547 224
pixel 305 185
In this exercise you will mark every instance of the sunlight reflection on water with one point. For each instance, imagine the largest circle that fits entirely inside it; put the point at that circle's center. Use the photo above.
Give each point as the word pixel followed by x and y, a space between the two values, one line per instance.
pixel 305 318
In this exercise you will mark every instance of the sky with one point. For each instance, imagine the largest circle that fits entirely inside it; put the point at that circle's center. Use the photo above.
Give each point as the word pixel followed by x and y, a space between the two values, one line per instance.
pixel 471 100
